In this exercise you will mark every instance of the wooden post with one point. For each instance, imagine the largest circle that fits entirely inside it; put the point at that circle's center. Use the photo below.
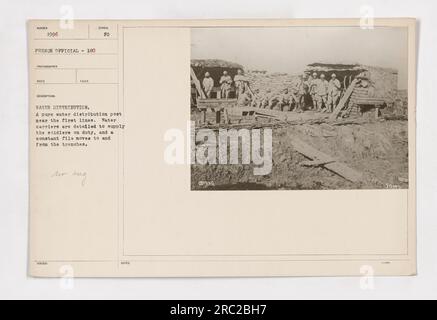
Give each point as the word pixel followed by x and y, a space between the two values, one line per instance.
pixel 226 116
pixel 343 100
pixel 217 116
pixel 197 84
pixel 203 116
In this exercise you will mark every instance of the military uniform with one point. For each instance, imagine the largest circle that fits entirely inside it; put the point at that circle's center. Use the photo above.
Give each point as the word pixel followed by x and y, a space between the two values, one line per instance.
pixel 299 90
pixel 273 101
pixel 333 93
pixel 313 89
pixel 265 100
pixel 322 93
pixel 285 101
pixel 208 85
pixel 240 83
pixel 243 100
pixel 225 86
pixel 256 100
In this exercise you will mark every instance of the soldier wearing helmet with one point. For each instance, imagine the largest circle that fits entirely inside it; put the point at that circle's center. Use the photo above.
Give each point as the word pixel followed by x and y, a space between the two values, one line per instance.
pixel 240 82
pixel 225 85
pixel 313 82
pixel 322 93
pixel 208 84
pixel 333 92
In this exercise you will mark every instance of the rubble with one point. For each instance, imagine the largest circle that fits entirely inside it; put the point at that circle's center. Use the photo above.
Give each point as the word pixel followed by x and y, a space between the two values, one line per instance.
pixel 378 150
pixel 362 144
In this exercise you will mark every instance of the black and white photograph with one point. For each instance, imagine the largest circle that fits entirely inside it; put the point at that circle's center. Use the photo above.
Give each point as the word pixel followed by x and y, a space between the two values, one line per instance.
pixel 225 158
pixel 299 108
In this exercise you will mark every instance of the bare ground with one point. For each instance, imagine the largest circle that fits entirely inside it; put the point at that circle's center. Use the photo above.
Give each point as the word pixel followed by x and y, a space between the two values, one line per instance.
pixel 378 150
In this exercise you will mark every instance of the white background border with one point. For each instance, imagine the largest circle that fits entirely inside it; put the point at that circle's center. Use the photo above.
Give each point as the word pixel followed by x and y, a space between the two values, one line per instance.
pixel 14 282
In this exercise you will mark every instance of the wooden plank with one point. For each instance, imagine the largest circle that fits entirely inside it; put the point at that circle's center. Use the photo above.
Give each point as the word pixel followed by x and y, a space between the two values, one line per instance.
pixel 203 117
pixel 348 121
pixel 344 171
pixel 280 115
pixel 216 103
pixel 241 111
pixel 197 84
pixel 315 163
pixel 218 117
pixel 213 100
pixel 250 90
pixel 369 101
pixel 358 94
pixel 361 90
pixel 343 100
pixel 337 167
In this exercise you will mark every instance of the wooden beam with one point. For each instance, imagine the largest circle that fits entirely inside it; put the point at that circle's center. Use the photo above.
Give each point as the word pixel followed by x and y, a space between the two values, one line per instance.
pixel 315 163
pixel 218 116
pixel 249 89
pixel 280 115
pixel 337 167
pixel 216 103
pixel 343 100
pixel 197 84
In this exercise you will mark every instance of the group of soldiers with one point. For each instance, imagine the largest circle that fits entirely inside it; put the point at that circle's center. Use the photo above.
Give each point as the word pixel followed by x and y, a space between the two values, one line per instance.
pixel 241 84
pixel 307 92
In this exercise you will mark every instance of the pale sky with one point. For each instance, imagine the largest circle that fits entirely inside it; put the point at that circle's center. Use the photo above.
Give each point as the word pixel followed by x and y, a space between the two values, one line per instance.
pixel 291 49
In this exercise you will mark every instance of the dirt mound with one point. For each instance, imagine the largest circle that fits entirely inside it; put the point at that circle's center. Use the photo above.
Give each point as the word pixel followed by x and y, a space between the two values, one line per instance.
pixel 378 150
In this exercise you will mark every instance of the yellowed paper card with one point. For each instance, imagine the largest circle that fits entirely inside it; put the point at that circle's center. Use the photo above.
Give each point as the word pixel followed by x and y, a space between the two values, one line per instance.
pixel 222 148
